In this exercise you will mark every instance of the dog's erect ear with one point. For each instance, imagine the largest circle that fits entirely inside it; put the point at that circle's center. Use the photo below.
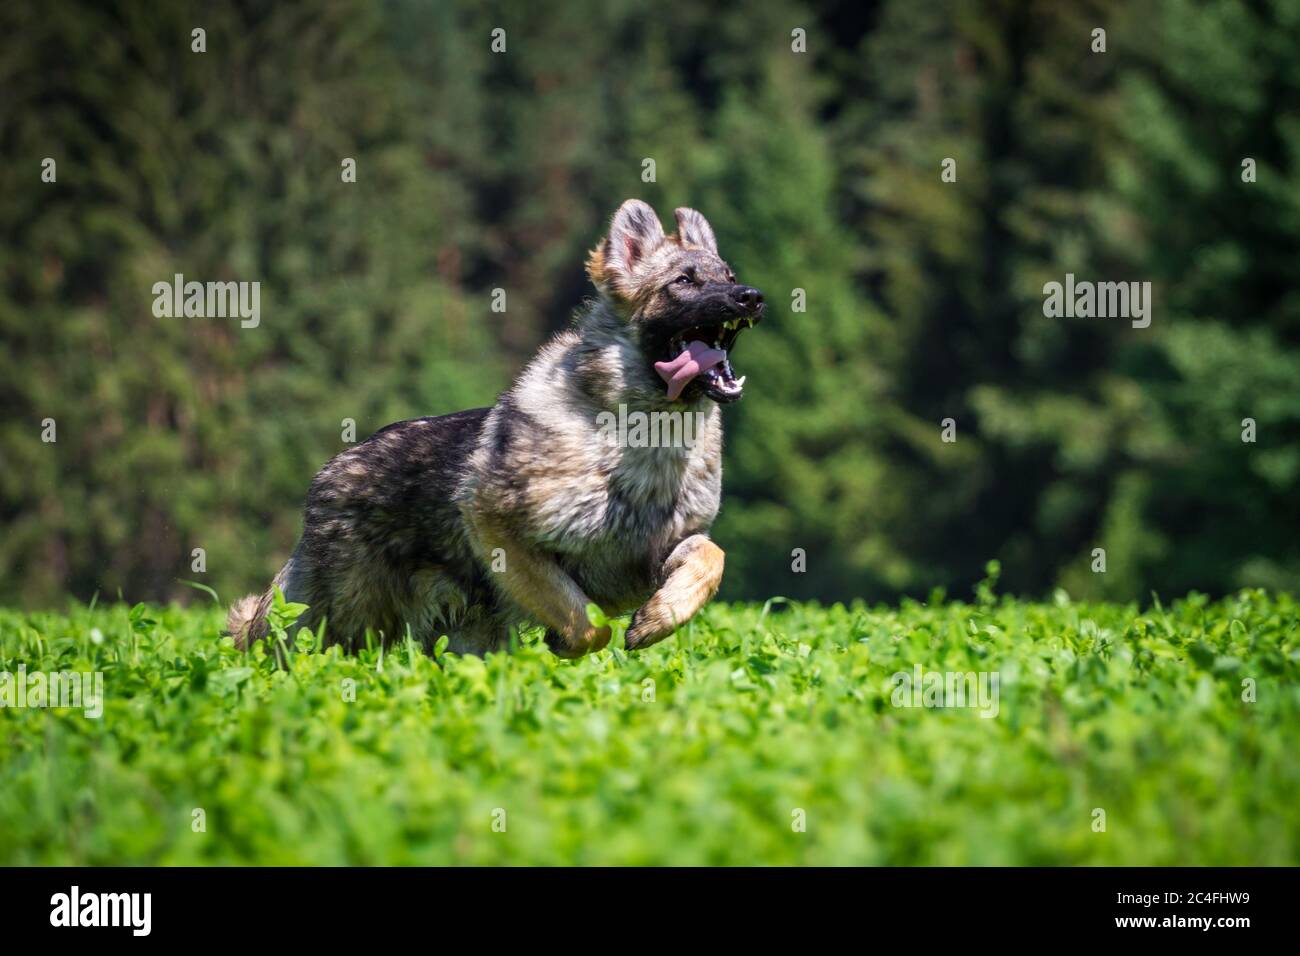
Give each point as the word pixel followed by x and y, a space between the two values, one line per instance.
pixel 695 229
pixel 634 234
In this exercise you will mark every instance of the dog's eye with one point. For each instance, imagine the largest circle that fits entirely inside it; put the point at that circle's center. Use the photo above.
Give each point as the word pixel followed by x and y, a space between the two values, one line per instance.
pixel 731 277
pixel 683 278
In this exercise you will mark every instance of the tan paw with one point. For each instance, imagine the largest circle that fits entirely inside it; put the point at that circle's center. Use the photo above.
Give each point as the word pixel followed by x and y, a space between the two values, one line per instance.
pixel 650 624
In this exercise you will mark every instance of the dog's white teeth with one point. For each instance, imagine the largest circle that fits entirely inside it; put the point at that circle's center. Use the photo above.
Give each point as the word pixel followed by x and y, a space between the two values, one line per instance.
pixel 740 382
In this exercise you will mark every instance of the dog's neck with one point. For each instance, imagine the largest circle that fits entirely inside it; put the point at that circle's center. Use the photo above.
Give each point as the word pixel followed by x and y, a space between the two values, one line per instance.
pixel 612 368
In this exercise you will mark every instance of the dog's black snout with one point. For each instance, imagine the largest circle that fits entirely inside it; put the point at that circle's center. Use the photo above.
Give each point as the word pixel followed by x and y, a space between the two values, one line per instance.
pixel 747 297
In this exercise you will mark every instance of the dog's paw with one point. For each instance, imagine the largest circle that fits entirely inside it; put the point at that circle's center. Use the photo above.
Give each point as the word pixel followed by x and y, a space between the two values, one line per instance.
pixel 647 627
pixel 592 639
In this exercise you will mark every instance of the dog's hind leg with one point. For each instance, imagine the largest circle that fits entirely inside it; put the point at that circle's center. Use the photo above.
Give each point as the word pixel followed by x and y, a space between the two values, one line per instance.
pixel 440 606
pixel 691 576
pixel 480 635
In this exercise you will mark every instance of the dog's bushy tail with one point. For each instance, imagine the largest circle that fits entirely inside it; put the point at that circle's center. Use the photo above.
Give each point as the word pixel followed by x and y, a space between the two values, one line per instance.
pixel 246 617
pixel 246 622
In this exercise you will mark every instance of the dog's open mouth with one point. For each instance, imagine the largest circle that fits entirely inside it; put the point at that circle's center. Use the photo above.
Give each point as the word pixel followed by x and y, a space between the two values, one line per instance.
pixel 702 351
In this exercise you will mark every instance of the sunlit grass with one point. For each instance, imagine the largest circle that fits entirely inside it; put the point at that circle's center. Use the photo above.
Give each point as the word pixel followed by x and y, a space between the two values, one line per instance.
pixel 708 748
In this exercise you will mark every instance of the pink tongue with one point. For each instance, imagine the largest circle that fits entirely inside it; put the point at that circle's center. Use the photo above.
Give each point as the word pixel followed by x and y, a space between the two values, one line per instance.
pixel 695 359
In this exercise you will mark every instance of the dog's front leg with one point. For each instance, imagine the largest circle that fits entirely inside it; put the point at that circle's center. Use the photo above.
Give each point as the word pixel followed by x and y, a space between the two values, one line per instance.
pixel 691 576
pixel 542 588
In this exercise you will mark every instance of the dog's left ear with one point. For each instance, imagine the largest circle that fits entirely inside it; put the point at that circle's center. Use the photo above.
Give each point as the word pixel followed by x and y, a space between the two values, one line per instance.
pixel 695 229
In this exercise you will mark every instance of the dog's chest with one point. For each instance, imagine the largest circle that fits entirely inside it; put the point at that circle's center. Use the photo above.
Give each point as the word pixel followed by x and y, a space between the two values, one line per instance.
pixel 629 499
pixel 650 501
pixel 604 486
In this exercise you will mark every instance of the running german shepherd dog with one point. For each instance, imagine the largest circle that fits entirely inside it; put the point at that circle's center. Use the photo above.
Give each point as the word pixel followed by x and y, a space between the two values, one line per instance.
pixel 469 523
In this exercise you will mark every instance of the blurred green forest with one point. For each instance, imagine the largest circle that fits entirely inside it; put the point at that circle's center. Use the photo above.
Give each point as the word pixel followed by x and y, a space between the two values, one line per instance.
pixel 819 170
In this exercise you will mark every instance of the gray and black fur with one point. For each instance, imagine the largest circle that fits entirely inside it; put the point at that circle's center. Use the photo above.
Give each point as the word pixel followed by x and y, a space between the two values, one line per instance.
pixel 467 524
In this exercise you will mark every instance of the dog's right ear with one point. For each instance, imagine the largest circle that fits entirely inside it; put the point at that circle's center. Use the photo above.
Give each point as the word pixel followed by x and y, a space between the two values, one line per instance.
pixel 633 234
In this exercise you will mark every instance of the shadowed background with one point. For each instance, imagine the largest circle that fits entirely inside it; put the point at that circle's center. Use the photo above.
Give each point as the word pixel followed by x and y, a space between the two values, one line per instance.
pixel 819 171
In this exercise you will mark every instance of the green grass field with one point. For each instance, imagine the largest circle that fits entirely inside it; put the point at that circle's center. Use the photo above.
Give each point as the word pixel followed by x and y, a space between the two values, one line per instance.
pixel 757 736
